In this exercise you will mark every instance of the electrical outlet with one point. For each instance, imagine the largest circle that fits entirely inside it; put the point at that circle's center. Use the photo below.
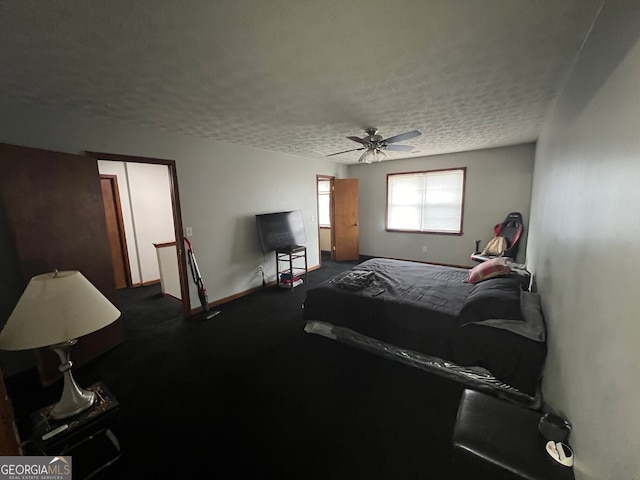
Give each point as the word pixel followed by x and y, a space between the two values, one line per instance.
pixel 188 232
pixel 424 249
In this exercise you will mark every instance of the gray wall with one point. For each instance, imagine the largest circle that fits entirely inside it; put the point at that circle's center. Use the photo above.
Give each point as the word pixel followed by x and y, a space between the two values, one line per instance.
pixel 583 248
pixel 498 182
pixel 222 187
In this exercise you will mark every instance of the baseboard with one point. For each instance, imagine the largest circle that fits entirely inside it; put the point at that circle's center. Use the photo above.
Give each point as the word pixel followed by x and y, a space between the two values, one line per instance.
pixel 145 284
pixel 235 296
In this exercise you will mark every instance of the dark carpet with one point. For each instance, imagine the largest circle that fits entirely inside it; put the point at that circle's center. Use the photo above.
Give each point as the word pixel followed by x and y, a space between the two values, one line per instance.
pixel 248 394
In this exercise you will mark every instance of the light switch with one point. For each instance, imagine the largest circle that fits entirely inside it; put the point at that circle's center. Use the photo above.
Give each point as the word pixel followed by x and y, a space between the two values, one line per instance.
pixel 188 231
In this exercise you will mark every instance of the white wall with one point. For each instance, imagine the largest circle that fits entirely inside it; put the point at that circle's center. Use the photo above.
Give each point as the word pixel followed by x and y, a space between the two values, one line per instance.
pixel 222 186
pixel 498 182
pixel 150 193
pixel 169 270
pixel 583 248
pixel 145 199
pixel 325 239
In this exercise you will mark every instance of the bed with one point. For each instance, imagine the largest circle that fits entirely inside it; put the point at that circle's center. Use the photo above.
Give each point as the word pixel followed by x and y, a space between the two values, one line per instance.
pixel 434 311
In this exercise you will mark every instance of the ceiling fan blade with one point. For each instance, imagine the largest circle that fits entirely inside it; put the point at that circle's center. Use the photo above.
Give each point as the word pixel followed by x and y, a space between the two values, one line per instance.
pixel 402 136
pixel 346 151
pixel 399 148
pixel 360 140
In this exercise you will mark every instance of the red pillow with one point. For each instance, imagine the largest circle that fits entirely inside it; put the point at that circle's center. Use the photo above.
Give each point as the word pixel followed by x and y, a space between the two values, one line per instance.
pixel 489 269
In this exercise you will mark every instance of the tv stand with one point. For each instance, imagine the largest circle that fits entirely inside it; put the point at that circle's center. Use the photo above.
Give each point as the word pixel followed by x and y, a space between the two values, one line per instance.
pixel 291 272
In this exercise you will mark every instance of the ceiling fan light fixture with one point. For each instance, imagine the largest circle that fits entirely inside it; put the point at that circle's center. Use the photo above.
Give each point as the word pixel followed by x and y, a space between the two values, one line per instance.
pixel 375 144
pixel 372 155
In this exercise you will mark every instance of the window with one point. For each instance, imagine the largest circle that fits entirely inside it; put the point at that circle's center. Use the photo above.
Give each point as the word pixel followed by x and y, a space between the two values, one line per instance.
pixel 429 201
pixel 324 212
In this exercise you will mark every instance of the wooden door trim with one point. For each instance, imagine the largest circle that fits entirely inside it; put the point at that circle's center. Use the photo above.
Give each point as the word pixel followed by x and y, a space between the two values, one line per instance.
pixel 120 219
pixel 177 214
pixel 332 216
pixel 330 178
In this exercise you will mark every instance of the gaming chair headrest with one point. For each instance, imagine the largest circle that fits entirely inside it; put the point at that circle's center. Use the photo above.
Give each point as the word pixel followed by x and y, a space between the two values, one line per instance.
pixel 511 228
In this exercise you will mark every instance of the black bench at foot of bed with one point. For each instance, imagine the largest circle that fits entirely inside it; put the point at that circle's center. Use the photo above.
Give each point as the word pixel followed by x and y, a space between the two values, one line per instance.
pixel 498 440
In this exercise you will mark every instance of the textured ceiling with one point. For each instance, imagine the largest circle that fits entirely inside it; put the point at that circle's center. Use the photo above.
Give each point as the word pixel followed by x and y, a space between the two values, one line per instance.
pixel 298 76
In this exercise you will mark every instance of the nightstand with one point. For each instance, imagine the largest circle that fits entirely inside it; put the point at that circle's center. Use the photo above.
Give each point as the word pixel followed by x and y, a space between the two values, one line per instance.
pixel 86 436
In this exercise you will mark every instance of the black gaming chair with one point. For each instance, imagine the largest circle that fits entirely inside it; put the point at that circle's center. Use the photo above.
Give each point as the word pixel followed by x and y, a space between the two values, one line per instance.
pixel 511 230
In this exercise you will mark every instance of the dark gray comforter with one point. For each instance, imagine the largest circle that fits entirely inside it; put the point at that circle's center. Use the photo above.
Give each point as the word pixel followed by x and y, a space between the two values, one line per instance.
pixel 417 306
pixel 411 303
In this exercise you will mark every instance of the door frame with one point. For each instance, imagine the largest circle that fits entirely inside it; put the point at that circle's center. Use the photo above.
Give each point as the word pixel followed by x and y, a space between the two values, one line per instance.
pixel 332 251
pixel 177 214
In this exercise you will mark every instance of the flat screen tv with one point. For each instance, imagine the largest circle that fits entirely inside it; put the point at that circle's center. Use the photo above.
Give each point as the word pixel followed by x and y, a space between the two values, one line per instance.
pixel 280 230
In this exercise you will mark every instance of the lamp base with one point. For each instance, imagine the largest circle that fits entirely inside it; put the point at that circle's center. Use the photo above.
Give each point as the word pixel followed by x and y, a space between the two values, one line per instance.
pixel 74 399
pixel 56 436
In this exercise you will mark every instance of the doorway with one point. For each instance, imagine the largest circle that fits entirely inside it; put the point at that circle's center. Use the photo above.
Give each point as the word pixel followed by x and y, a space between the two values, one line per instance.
pixel 175 214
pixel 339 230
pixel 324 187
pixel 346 219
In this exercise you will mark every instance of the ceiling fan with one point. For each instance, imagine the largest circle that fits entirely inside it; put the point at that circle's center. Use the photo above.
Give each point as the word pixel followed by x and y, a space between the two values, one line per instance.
pixel 374 144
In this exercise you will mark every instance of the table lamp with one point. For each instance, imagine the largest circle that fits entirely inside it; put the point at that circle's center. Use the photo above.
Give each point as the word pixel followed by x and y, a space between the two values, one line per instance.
pixel 54 310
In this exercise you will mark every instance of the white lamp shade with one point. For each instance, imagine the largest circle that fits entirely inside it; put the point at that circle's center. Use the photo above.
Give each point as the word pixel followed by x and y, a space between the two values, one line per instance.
pixel 54 308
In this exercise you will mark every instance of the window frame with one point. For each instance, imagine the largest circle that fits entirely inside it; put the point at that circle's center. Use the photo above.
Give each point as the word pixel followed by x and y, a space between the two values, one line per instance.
pixel 426 172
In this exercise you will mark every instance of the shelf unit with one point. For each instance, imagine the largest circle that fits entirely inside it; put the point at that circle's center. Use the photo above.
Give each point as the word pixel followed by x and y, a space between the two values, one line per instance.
pixel 291 257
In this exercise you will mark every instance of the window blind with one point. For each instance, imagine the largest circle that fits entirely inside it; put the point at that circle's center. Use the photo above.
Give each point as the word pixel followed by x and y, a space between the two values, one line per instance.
pixel 426 201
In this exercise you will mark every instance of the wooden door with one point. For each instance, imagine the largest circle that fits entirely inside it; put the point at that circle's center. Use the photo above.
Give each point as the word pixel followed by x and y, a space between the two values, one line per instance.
pixel 115 230
pixel 54 211
pixel 346 216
